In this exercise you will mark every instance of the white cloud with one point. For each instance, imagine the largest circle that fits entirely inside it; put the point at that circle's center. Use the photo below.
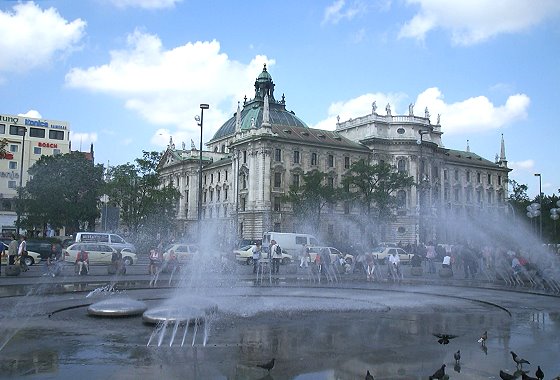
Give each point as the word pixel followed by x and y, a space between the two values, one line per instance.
pixel 338 11
pixel 360 106
pixel 32 37
pixel 32 113
pixel 146 4
pixel 470 115
pixel 473 21
pixel 166 86
pixel 82 141
pixel 526 165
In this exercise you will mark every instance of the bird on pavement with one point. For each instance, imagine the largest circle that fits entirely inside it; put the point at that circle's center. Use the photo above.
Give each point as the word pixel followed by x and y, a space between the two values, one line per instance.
pixel 444 338
pixel 439 374
pixel 519 361
pixel 539 373
pixel 483 338
pixel 506 376
pixel 268 366
pixel 524 376
pixel 369 376
pixel 457 356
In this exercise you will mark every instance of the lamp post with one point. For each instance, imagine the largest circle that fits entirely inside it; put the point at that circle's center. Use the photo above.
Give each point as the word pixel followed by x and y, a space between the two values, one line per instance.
pixel 200 121
pixel 20 178
pixel 421 181
pixel 540 201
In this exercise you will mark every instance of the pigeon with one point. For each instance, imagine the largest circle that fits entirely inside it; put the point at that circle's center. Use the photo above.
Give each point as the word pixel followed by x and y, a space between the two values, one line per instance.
pixel 519 361
pixel 539 373
pixel 444 338
pixel 369 376
pixel 457 356
pixel 483 338
pixel 268 366
pixel 524 376
pixel 506 376
pixel 439 374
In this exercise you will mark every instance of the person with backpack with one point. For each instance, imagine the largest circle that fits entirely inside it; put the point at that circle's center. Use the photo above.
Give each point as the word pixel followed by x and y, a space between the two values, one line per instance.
pixel 276 255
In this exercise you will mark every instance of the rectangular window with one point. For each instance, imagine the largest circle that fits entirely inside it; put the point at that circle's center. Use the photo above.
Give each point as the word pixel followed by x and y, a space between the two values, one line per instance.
pixel 211 195
pixel 314 159
pixel 277 179
pixel 2 128
pixel 56 135
pixel 17 131
pixel 499 180
pixel 14 148
pixel 205 179
pixel 478 178
pixel 225 194
pixel 456 175
pixel 57 151
pixel 277 204
pixel 36 150
pixel 445 175
pixel 489 179
pixel 296 156
pixel 212 178
pixel 330 160
pixel 37 132
pixel 13 165
pixel 468 176
pixel 244 156
pixel 226 176
pixel 11 184
pixel 346 162
pixel 218 195
pixel 218 176
pixel 277 154
pixel 295 180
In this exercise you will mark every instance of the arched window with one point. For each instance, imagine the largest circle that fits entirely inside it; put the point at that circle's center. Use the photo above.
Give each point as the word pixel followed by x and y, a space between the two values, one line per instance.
pixel 401 199
pixel 401 165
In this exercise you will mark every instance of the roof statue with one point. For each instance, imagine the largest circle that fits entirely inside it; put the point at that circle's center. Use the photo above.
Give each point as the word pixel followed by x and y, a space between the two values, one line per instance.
pixel 438 118
pixel 238 118
pixel 373 107
pixel 171 145
pixel 337 119
pixel 266 110
pixel 426 113
pixel 183 145
pixel 468 146
pixel 388 109
pixel 193 147
pixel 411 109
pixel 253 122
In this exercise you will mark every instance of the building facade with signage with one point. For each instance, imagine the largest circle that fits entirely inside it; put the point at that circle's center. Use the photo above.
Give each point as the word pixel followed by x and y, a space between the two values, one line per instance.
pixel 256 155
pixel 23 140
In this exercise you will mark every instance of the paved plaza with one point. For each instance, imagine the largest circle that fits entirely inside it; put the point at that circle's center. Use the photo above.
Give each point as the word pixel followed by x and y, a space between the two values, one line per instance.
pixel 327 330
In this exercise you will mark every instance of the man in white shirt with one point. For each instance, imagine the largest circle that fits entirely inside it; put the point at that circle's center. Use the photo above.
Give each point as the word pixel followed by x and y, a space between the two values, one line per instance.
pixel 22 251
pixel 394 261
pixel 256 256
pixel 276 256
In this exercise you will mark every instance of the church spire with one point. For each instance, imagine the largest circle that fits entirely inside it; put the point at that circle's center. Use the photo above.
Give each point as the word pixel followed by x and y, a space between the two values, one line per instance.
pixel 503 149
pixel 266 111
pixel 238 118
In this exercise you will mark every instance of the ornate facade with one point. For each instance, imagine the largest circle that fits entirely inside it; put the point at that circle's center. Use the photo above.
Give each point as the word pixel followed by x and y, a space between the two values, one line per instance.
pixel 255 157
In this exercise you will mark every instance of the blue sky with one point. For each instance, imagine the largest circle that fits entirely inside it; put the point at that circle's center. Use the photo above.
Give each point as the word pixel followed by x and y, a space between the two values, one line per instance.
pixel 127 74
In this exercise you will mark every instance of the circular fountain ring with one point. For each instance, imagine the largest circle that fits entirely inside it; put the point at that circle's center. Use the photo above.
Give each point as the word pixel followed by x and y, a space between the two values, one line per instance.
pixel 117 307
pixel 186 310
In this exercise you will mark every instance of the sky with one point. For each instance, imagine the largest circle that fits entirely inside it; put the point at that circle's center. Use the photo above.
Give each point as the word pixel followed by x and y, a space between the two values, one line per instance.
pixel 128 74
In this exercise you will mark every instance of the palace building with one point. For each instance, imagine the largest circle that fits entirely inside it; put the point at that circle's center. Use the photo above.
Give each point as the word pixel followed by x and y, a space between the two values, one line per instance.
pixel 23 140
pixel 255 156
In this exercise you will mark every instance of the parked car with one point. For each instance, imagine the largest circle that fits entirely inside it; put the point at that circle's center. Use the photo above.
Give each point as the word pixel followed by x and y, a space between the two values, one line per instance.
pixel 31 258
pixel 98 253
pixel 382 254
pixel 184 252
pixel 334 253
pixel 245 255
pixel 114 240
pixel 42 247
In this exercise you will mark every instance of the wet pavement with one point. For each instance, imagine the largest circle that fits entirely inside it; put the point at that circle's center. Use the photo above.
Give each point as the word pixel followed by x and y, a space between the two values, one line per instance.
pixel 313 330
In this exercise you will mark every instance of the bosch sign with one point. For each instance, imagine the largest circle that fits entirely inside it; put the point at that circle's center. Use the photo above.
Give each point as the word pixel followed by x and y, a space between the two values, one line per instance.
pixel 47 145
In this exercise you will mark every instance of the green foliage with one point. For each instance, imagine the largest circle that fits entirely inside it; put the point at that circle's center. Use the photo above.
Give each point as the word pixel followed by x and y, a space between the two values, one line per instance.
pixel 63 191
pixel 146 206
pixel 309 199
pixel 374 187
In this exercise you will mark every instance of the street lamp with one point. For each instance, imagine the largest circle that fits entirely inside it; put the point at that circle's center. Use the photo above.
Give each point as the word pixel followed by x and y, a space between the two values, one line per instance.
pixel 421 182
pixel 540 200
pixel 20 178
pixel 200 121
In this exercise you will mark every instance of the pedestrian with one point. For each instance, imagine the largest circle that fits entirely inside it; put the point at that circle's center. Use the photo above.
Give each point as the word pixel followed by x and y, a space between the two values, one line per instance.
pixel 12 250
pixel 22 252
pixel 276 255
pixel 431 257
pixel 256 253
pixel 304 257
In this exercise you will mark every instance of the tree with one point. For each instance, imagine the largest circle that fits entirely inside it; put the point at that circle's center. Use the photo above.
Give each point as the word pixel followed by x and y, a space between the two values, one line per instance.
pixel 145 205
pixel 309 199
pixel 374 187
pixel 62 192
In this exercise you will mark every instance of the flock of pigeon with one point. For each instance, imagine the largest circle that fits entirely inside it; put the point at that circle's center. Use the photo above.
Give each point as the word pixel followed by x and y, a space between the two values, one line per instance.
pixel 440 373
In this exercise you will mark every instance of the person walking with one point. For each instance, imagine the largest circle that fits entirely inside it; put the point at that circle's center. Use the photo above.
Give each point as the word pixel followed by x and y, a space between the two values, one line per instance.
pixel 431 257
pixel 22 252
pixel 276 255
pixel 256 256
pixel 12 250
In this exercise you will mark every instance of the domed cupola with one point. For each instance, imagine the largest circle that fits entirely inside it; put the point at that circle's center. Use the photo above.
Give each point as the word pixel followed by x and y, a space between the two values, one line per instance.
pixel 251 116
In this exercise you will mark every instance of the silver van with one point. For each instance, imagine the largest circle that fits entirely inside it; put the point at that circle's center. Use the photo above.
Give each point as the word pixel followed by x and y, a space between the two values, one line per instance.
pixel 113 240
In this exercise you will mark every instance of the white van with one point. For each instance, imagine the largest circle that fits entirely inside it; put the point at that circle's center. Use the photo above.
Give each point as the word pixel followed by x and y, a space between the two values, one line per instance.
pixel 113 240
pixel 289 241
